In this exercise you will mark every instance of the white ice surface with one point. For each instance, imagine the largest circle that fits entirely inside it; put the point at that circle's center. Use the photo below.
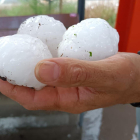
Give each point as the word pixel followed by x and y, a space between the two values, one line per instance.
pixel 92 39
pixel 19 55
pixel 46 28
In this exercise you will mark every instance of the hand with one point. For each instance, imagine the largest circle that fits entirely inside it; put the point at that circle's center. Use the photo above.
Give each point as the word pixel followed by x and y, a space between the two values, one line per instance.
pixel 81 85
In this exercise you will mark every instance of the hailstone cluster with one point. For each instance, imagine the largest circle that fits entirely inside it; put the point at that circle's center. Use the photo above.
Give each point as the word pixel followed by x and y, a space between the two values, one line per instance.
pixel 19 55
pixel 37 39
pixel 92 39
pixel 43 37
pixel 46 28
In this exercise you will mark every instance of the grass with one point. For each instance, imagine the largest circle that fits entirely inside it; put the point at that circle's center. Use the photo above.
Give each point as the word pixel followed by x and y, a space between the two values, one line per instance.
pixel 28 7
pixel 33 7
pixel 69 7
pixel 102 10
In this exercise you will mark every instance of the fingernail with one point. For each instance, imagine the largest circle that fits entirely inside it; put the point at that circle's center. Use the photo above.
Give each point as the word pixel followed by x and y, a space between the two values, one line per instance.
pixel 48 71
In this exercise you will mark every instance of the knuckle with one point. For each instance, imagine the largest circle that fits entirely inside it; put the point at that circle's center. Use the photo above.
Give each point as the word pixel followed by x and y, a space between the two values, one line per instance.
pixel 57 103
pixel 28 107
pixel 13 91
pixel 56 106
pixel 78 74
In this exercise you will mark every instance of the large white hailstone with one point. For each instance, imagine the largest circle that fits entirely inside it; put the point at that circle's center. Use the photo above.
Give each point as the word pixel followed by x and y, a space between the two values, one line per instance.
pixel 46 28
pixel 19 55
pixel 92 39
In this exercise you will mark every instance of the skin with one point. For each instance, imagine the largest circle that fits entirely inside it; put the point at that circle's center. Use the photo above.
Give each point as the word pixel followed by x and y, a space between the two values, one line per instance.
pixel 81 85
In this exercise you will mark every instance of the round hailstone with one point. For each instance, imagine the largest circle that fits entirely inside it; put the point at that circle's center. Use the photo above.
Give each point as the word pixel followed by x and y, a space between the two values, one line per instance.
pixel 19 55
pixel 92 39
pixel 46 28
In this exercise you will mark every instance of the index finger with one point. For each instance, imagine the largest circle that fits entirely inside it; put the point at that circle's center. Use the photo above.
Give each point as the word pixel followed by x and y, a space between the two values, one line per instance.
pixel 29 98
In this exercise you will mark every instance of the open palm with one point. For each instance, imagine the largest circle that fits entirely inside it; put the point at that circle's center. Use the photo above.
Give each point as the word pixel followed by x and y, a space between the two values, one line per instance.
pixel 81 85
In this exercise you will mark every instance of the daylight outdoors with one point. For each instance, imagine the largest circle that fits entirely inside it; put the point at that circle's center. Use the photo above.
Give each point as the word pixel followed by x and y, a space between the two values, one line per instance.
pixel 105 9
pixel 17 123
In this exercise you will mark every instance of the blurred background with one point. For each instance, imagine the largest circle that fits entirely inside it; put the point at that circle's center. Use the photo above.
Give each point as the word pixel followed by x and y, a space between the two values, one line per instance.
pixel 106 9
pixel 16 123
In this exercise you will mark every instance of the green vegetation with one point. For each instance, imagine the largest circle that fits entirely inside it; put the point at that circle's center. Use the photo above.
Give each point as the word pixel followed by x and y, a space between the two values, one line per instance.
pixel 69 7
pixel 102 10
pixel 90 54
pixel 35 7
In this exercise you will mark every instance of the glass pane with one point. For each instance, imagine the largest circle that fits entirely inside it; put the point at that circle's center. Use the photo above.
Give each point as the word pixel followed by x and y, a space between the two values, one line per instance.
pixel 36 7
pixel 105 9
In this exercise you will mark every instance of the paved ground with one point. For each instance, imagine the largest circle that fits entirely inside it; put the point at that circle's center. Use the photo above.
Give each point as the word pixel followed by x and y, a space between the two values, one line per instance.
pixel 118 123
pixel 113 123
pixel 50 133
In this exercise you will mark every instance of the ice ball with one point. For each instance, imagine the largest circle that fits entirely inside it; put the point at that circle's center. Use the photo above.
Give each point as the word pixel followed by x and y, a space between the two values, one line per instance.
pixel 92 39
pixel 19 55
pixel 46 28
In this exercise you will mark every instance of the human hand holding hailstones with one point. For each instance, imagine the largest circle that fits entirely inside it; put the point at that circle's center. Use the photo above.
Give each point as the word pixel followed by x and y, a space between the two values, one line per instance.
pixel 87 72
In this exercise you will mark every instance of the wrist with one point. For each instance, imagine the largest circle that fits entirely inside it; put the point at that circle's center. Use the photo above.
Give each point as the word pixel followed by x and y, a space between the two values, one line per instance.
pixel 137 102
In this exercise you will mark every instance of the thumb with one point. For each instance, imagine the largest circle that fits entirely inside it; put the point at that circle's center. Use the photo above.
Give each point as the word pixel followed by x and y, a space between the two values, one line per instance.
pixel 65 72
